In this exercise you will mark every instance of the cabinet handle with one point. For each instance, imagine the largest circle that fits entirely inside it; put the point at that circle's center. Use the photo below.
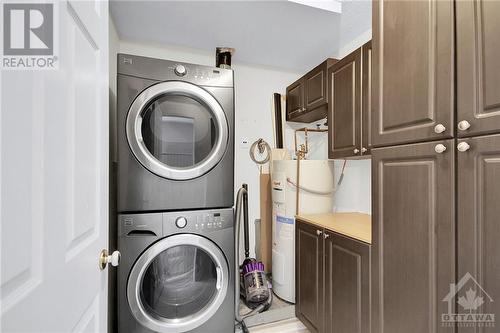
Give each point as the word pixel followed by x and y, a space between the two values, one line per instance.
pixel 463 146
pixel 364 150
pixel 319 232
pixel 325 235
pixel 463 125
pixel 356 150
pixel 440 148
pixel 439 128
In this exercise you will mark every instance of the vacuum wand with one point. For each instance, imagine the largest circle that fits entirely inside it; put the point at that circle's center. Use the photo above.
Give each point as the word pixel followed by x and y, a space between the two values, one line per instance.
pixel 256 291
pixel 245 221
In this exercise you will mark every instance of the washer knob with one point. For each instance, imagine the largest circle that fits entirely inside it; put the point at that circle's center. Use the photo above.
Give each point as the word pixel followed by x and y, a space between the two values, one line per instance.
pixel 181 222
pixel 180 70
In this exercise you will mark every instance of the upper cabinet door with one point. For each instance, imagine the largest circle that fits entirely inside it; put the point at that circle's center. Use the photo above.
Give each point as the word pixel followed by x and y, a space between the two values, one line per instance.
pixel 344 108
pixel 413 66
pixel 366 103
pixel 413 236
pixel 478 69
pixel 479 224
pixel 294 99
pixel 315 87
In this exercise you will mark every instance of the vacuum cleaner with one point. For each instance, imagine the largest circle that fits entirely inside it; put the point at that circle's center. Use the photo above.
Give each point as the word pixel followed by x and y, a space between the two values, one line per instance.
pixel 251 283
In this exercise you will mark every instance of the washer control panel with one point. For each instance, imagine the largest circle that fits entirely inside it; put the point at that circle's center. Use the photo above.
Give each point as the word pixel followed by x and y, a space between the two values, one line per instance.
pixel 197 221
pixel 164 224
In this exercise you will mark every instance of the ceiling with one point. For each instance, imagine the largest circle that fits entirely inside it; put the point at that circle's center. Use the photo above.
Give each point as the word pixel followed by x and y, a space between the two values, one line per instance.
pixel 280 34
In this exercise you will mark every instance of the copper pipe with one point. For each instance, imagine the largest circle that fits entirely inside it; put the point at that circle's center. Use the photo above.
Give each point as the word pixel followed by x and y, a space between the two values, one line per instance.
pixel 304 149
pixel 301 154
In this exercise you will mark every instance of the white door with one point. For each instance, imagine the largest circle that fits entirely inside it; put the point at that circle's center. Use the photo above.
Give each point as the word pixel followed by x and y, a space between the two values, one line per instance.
pixel 54 182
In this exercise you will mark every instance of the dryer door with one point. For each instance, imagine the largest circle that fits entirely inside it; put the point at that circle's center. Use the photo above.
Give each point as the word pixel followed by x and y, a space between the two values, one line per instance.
pixel 177 130
pixel 178 283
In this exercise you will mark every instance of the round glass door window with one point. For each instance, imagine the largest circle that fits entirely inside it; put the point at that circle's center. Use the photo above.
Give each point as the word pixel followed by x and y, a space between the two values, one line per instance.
pixel 177 130
pixel 179 282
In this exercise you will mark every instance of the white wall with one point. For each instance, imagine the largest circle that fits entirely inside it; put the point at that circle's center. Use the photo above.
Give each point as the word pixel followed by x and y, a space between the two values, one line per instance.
pixel 254 86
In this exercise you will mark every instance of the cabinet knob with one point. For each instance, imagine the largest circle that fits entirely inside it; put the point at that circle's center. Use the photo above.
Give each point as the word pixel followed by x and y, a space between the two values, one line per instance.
pixel 439 128
pixel 463 125
pixel 325 235
pixel 463 146
pixel 364 150
pixel 356 150
pixel 440 148
pixel 319 232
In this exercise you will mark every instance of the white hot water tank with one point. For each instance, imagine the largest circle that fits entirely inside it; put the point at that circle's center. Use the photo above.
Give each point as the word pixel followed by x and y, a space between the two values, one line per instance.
pixel 315 197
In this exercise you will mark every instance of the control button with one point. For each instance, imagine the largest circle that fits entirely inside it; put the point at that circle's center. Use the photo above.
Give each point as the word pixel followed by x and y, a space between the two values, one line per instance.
pixel 180 70
pixel 181 222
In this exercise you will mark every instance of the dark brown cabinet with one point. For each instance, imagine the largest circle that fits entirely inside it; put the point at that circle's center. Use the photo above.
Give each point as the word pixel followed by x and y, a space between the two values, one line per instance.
pixel 478 69
pixel 295 99
pixel 309 276
pixel 436 226
pixel 413 257
pixel 307 98
pixel 413 71
pixel 347 285
pixel 349 118
pixel 332 281
pixel 478 189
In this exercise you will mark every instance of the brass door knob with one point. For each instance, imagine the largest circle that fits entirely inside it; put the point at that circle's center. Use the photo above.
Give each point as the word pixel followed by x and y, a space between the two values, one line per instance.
pixel 105 259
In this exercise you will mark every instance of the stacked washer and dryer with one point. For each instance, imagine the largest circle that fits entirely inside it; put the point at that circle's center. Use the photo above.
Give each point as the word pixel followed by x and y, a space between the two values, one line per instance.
pixel 175 197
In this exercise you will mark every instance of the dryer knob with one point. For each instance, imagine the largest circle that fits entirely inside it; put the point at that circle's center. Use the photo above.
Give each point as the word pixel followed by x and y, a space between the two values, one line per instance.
pixel 180 70
pixel 181 222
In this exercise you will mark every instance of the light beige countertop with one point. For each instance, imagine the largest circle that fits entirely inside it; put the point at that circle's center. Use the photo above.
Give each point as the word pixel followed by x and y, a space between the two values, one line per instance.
pixel 354 225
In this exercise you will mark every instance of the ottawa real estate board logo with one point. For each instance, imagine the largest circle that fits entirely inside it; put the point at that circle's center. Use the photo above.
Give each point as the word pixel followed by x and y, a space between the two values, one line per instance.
pixel 28 35
pixel 473 303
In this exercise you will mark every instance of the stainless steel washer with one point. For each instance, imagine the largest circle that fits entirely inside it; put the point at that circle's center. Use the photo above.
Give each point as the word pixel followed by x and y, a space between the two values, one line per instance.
pixel 175 135
pixel 176 273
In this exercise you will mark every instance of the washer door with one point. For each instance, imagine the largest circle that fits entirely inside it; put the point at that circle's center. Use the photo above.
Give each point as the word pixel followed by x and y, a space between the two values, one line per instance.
pixel 177 130
pixel 178 283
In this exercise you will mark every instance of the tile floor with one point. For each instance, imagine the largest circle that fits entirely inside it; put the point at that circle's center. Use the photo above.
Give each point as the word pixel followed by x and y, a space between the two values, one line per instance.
pixel 285 326
pixel 280 310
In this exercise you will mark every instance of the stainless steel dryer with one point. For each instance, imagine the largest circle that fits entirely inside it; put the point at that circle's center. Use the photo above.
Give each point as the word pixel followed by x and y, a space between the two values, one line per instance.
pixel 176 272
pixel 175 135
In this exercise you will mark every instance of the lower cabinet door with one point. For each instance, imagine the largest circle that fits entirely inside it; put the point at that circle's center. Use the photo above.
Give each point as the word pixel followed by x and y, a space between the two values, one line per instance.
pixel 478 188
pixel 347 285
pixel 413 243
pixel 309 276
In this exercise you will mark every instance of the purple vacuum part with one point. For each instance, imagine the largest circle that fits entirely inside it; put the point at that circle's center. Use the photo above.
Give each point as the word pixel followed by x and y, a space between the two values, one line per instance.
pixel 252 267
